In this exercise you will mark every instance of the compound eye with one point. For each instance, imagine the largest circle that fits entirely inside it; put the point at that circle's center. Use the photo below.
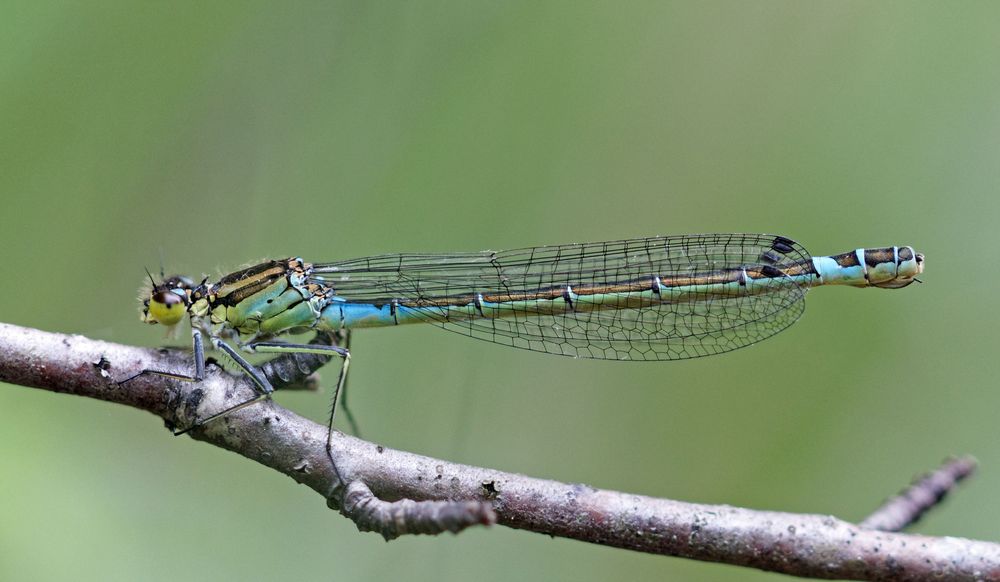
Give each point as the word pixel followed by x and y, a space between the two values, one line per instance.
pixel 166 307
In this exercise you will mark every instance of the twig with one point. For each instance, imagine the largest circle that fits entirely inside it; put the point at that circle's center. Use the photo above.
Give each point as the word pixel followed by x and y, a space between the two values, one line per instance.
pixel 805 545
pixel 393 519
pixel 906 508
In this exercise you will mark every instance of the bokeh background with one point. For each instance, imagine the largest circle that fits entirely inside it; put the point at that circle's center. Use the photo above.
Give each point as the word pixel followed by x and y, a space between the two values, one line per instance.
pixel 216 135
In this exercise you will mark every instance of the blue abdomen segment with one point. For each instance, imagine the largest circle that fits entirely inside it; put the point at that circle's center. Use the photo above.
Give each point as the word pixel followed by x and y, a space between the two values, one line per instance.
pixel 844 269
pixel 343 315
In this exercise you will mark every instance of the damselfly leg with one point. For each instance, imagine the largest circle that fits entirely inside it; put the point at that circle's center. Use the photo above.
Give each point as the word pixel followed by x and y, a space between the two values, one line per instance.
pixel 259 376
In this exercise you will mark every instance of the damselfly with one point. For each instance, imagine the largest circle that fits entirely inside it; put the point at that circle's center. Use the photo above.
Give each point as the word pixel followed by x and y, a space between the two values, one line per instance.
pixel 659 298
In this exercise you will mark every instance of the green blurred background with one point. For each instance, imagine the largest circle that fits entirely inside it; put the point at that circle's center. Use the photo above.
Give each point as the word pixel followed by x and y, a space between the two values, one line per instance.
pixel 218 135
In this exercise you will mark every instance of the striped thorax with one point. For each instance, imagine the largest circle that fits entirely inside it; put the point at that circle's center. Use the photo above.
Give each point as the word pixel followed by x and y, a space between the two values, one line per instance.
pixel 261 301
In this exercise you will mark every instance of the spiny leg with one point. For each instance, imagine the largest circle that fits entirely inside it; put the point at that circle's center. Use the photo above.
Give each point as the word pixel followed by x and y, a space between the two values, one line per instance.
pixel 261 384
pixel 293 369
pixel 280 347
pixel 199 364
pixel 198 353
pixel 355 428
pixel 296 371
pixel 311 348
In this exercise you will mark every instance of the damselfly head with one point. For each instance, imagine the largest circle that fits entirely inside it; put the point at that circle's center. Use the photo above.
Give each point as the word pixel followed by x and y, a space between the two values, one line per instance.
pixel 166 302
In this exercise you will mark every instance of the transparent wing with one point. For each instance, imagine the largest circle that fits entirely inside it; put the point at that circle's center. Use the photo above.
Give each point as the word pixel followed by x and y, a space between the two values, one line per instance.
pixel 420 284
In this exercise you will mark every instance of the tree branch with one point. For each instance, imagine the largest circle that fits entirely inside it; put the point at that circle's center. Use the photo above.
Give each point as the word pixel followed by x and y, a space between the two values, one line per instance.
pixel 395 492
pixel 907 507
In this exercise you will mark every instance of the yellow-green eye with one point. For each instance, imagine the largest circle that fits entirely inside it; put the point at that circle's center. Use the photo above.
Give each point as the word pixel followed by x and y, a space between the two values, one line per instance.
pixel 166 308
